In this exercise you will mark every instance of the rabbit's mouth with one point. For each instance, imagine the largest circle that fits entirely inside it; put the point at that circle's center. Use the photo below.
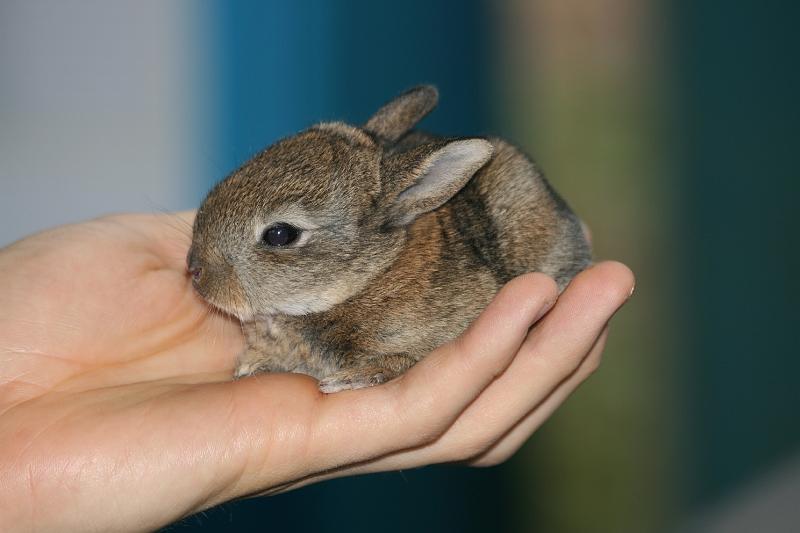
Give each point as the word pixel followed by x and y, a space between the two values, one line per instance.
pixel 227 297
pixel 242 315
pixel 216 281
pixel 241 312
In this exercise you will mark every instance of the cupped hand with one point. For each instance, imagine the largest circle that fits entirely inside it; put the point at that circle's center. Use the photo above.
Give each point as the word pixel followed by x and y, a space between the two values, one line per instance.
pixel 117 410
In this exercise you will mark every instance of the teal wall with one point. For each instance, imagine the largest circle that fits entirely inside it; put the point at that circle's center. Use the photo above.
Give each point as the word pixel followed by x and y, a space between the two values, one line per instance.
pixel 281 66
pixel 739 137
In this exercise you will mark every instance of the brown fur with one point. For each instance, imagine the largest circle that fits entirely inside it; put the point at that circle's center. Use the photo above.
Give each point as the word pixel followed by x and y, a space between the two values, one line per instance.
pixel 409 236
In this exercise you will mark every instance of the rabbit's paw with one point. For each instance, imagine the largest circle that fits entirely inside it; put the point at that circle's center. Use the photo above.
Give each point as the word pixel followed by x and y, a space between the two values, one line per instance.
pixel 253 361
pixel 245 368
pixel 354 378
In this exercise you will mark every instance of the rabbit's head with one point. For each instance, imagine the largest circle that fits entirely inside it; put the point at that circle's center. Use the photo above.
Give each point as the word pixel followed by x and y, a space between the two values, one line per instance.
pixel 308 222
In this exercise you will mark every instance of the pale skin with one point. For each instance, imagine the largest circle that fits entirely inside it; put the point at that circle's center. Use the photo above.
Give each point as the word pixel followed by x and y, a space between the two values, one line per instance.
pixel 117 409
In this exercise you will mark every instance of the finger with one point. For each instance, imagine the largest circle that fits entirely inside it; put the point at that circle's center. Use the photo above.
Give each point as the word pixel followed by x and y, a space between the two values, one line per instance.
pixel 499 452
pixel 553 350
pixel 504 448
pixel 420 405
pixel 519 434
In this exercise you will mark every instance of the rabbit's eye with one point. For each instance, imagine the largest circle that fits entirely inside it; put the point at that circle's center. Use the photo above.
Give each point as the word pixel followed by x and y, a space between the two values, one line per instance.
pixel 281 234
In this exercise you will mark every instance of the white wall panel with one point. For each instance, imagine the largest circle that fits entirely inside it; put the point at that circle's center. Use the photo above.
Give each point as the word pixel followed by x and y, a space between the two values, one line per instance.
pixel 96 102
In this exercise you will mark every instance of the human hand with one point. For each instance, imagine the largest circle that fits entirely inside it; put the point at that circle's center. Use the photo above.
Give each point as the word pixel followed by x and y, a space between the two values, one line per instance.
pixel 117 410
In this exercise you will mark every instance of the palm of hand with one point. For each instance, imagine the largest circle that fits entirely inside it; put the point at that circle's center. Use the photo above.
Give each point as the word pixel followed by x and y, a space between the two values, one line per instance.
pixel 122 279
pixel 132 394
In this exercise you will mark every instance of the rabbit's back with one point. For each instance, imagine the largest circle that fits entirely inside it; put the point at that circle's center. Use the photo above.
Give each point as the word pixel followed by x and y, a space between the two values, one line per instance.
pixel 514 222
pixel 505 222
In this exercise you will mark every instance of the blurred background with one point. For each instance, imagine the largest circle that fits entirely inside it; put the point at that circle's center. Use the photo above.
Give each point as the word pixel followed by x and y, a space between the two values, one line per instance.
pixel 670 126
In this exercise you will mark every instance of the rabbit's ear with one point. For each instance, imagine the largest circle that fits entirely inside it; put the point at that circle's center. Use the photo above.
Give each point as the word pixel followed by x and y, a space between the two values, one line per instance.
pixel 394 119
pixel 438 173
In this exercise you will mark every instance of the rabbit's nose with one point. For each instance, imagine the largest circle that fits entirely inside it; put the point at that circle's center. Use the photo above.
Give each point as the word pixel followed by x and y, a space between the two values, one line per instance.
pixel 193 267
pixel 196 272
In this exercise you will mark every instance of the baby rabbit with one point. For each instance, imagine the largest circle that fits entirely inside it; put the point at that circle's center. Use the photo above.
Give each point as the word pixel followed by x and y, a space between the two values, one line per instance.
pixel 349 253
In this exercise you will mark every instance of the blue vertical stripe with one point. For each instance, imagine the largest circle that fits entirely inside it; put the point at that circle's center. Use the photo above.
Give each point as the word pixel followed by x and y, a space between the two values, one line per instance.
pixel 275 72
pixel 282 66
